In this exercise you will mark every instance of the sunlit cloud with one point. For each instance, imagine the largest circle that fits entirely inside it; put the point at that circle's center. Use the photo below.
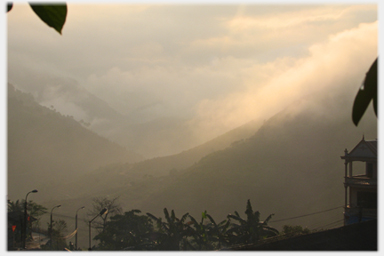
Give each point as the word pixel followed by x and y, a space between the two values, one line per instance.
pixel 286 20
pixel 216 67
pixel 339 62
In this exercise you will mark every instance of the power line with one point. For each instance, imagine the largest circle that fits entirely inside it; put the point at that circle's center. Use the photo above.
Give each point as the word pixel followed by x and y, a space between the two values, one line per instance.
pixel 296 217
pixel 305 215
pixel 329 224
pixel 70 217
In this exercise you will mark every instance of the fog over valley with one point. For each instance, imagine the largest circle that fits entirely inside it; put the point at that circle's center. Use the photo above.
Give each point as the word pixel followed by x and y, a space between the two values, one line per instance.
pixel 188 107
pixel 179 82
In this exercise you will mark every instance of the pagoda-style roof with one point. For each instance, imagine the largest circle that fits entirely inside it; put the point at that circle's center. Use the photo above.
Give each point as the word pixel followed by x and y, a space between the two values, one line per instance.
pixel 363 150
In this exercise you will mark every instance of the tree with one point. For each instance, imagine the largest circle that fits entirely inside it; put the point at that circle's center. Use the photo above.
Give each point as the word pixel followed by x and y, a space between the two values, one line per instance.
pixel 36 211
pixel 289 230
pixel 16 216
pixel 58 241
pixel 15 222
pixel 250 230
pixel 366 93
pixel 127 231
pixel 100 203
pixel 208 236
pixel 172 234
pixel 54 15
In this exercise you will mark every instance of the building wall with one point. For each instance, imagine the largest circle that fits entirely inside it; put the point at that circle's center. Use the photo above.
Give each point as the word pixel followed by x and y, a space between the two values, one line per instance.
pixel 354 195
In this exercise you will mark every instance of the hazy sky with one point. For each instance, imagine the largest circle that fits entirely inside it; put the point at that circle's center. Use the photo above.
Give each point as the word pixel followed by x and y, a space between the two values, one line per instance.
pixel 217 65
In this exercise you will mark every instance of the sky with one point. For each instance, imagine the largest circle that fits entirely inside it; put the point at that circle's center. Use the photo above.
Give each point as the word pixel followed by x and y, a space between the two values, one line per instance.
pixel 215 65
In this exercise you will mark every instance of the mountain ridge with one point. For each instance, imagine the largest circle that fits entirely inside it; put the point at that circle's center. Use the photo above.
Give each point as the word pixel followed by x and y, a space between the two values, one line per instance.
pixel 44 145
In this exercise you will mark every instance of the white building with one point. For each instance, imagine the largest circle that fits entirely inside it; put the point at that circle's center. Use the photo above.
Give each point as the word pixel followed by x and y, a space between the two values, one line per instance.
pixel 360 182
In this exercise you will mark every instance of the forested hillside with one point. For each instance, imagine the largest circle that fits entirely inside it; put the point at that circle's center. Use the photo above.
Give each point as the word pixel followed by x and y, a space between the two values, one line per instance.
pixel 146 176
pixel 174 163
pixel 291 166
pixel 45 147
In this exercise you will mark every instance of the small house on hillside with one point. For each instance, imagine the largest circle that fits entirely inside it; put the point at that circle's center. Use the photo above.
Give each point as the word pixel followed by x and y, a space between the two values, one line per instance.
pixel 360 182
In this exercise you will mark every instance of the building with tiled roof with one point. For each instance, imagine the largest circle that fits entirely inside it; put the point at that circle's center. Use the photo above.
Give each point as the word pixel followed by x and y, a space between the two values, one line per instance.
pixel 360 182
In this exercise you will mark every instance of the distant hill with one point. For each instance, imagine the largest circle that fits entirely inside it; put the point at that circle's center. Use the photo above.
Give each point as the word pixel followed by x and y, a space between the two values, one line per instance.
pixel 105 179
pixel 136 129
pixel 290 166
pixel 177 162
pixel 45 147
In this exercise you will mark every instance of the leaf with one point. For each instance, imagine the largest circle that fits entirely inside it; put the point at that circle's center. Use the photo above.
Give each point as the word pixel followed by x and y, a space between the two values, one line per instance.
pixel 9 6
pixel 212 220
pixel 193 221
pixel 166 214
pixel 248 208
pixel 152 216
pixel 366 93
pixel 236 218
pixel 268 218
pixel 183 217
pixel 54 15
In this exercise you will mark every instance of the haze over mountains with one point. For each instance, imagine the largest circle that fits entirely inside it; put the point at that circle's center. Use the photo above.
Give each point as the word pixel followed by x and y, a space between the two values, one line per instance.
pixel 137 129
pixel 45 146
pixel 188 107
pixel 288 165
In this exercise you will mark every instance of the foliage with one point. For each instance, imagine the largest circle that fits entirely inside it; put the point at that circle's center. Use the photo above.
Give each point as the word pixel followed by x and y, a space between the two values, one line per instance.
pixel 130 231
pixel 250 230
pixel 289 230
pixel 16 217
pixel 209 236
pixel 127 231
pixel 57 241
pixel 172 234
pixel 35 210
pixel 54 15
pixel 366 93
pixel 99 203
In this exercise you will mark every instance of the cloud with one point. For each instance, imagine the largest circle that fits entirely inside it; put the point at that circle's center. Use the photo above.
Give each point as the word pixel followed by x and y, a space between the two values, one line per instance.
pixel 253 34
pixel 340 62
pixel 217 66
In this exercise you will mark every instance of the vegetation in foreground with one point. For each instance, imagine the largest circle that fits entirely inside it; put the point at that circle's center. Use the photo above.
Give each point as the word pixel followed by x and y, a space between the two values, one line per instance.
pixel 135 231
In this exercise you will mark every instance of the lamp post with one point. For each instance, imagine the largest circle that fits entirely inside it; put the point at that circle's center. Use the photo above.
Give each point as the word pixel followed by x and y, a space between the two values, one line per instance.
pixel 104 211
pixel 50 225
pixel 25 217
pixel 76 227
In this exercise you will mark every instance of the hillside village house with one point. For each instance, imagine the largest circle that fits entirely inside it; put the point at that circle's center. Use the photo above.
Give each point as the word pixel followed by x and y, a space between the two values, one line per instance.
pixel 360 182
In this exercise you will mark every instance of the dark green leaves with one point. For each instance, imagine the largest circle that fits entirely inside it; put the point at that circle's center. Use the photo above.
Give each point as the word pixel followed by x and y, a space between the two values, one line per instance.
pixel 365 94
pixel 53 15
pixel 9 6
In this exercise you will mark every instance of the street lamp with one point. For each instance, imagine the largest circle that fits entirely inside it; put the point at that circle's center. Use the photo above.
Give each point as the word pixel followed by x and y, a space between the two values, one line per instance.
pixel 25 217
pixel 50 226
pixel 76 227
pixel 104 211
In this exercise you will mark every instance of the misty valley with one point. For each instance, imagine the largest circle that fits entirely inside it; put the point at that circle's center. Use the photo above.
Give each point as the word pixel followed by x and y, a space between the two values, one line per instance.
pixel 286 166
pixel 191 127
